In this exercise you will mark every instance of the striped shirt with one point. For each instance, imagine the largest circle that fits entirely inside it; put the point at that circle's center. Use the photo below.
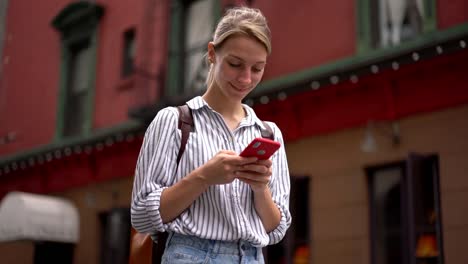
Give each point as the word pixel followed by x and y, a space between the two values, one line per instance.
pixel 223 212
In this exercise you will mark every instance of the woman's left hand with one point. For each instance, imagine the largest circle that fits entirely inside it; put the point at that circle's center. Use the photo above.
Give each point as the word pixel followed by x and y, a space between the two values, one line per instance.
pixel 256 174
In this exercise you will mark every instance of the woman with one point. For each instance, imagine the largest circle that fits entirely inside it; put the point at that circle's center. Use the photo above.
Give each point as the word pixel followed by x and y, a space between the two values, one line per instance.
pixel 218 207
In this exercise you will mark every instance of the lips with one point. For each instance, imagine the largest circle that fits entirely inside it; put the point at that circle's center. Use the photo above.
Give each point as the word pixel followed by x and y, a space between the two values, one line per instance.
pixel 240 89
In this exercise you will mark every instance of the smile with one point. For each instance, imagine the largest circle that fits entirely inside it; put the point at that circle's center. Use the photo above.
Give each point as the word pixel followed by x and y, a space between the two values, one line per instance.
pixel 240 89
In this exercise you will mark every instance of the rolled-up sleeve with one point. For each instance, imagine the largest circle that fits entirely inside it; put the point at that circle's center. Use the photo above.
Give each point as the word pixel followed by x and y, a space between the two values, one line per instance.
pixel 154 171
pixel 280 188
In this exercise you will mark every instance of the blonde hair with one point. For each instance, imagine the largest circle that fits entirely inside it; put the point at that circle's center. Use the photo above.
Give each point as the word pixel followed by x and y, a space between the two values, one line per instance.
pixel 240 21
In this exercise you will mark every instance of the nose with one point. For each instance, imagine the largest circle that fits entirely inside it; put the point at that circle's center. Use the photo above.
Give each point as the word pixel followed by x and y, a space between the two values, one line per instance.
pixel 245 77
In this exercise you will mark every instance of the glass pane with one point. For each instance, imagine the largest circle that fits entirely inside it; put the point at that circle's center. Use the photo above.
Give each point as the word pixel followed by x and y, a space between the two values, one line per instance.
pixel 425 223
pixel 79 70
pixel 397 20
pixel 199 30
pixel 129 52
pixel 75 110
pixel 78 82
pixel 386 195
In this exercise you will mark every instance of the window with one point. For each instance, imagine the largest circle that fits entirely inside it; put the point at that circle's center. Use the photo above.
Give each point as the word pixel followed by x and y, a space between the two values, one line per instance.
pixel 129 52
pixel 405 212
pixel 386 23
pixel 192 26
pixel 77 89
pixel 77 24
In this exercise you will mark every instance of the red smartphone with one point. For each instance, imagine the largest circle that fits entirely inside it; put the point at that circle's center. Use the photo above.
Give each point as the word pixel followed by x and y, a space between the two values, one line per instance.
pixel 262 148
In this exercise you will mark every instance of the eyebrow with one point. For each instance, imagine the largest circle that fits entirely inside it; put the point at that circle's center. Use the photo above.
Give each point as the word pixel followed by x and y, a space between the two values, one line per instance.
pixel 239 58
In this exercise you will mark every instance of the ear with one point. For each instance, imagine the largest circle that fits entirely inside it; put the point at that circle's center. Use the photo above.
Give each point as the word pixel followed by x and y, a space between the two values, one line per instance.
pixel 211 52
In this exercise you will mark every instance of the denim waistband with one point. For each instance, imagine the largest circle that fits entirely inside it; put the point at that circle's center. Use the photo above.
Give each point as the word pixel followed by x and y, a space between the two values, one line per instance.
pixel 214 247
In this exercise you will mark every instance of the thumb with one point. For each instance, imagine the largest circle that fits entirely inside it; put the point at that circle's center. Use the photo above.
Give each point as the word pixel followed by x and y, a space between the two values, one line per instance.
pixel 229 152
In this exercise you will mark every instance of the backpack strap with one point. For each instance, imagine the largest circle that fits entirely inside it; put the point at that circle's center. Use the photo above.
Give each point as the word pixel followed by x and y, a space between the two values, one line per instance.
pixel 267 132
pixel 186 125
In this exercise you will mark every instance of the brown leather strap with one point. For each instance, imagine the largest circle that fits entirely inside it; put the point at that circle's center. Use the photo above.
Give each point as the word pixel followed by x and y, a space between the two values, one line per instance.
pixel 186 126
pixel 158 247
pixel 267 132
pixel 141 247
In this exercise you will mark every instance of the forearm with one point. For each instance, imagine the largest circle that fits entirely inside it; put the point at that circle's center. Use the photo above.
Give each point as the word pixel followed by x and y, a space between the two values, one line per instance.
pixel 267 209
pixel 177 198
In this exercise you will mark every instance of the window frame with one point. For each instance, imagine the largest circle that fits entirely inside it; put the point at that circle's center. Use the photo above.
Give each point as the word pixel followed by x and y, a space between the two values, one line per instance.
pixel 409 167
pixel 175 84
pixel 77 23
pixel 364 30
pixel 129 38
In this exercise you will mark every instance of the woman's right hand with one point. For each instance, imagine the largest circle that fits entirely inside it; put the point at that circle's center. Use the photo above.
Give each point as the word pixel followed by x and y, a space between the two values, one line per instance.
pixel 221 169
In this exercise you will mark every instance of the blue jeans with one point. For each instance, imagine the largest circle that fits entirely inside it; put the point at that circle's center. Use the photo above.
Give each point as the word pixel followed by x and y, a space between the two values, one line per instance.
pixel 181 249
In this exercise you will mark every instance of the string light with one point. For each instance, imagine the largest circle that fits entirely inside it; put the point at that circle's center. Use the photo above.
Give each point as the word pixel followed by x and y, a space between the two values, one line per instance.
pixel 354 78
pixel 68 151
pixel 109 142
pixel 77 149
pixel 315 85
pixel 334 79
pixel 282 96
pixel 88 149
pixel 99 146
pixel 49 157
pixel 130 137
pixel 264 99
pixel 119 137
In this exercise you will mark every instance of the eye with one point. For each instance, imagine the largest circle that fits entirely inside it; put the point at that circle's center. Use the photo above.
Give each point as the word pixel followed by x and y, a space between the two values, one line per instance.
pixel 257 69
pixel 234 65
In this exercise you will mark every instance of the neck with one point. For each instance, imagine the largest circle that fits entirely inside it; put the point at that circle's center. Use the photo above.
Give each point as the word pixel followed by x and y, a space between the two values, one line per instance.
pixel 227 107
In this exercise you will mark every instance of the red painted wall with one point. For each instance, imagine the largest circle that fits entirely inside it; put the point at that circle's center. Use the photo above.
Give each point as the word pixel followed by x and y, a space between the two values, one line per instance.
pixel 114 95
pixel 451 13
pixel 308 33
pixel 31 72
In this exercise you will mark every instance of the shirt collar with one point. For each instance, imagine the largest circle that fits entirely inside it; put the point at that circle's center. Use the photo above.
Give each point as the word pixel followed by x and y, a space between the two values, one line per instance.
pixel 198 102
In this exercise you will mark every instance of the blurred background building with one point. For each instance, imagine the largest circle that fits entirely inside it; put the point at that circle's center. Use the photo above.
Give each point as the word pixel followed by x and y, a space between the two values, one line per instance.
pixel 371 96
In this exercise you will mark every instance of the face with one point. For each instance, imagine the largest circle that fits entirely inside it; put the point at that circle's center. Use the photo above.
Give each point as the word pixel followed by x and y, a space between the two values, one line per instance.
pixel 238 66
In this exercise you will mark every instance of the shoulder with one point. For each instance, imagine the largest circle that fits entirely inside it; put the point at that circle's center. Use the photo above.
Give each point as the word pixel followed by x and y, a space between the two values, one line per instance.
pixel 165 117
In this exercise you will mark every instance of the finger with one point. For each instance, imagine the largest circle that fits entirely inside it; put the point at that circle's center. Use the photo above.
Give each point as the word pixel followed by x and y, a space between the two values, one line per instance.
pixel 255 168
pixel 246 160
pixel 229 152
pixel 267 163
pixel 252 176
